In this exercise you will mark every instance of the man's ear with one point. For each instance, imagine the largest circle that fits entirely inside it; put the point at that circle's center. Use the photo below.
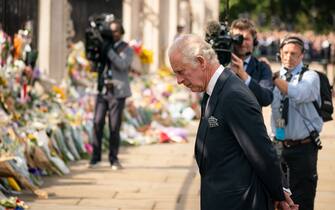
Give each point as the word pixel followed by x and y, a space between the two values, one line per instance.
pixel 280 55
pixel 202 61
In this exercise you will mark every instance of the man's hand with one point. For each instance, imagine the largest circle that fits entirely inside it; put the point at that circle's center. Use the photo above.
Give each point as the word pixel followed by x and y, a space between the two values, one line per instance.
pixel 288 204
pixel 275 76
pixel 281 84
pixel 237 67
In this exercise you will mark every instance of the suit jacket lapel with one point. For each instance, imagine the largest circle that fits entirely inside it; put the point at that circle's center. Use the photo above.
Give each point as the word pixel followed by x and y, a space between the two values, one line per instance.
pixel 201 134
pixel 203 127
pixel 251 66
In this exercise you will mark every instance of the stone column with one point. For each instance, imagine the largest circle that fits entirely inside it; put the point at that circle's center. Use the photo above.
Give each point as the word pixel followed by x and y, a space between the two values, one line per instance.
pixel 58 51
pixel 198 11
pixel 53 30
pixel 132 19
pixel 203 11
pixel 212 10
pixel 151 29
pixel 44 35
pixel 169 14
pixel 127 13
pixel 185 15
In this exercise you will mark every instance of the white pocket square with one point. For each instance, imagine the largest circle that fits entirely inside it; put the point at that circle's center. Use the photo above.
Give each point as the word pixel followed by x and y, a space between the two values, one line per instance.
pixel 213 122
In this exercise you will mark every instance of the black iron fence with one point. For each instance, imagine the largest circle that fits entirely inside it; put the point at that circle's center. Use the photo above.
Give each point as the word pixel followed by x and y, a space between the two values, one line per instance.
pixel 82 9
pixel 14 14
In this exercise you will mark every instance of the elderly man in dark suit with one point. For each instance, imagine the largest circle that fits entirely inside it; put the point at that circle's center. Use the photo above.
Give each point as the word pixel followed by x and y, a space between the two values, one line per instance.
pixel 238 166
pixel 256 74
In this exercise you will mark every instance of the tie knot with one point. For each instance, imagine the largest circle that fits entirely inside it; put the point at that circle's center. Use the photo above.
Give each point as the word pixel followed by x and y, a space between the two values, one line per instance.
pixel 205 96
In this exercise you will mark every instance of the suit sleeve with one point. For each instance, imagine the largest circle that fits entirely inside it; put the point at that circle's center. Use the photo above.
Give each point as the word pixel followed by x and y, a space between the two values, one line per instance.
pixel 246 122
pixel 123 60
pixel 263 89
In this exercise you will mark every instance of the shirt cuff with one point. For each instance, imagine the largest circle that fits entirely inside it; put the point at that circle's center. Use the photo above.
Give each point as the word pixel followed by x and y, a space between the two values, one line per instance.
pixel 247 81
pixel 287 190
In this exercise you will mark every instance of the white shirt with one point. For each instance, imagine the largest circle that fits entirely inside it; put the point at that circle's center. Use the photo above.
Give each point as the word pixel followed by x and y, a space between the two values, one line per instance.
pixel 212 82
pixel 245 66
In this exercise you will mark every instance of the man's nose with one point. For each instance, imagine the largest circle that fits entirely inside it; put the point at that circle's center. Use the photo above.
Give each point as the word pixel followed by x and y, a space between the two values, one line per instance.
pixel 179 80
pixel 290 56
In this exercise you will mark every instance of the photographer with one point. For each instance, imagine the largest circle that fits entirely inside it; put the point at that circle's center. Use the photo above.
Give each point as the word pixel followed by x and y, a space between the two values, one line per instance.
pixel 256 74
pixel 296 122
pixel 114 88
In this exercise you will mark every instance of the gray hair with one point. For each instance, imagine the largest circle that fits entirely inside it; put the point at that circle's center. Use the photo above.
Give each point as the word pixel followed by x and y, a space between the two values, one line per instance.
pixel 190 46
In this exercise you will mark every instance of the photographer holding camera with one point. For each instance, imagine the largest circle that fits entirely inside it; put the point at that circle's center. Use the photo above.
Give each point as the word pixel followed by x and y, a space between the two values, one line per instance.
pixel 113 89
pixel 295 120
pixel 257 75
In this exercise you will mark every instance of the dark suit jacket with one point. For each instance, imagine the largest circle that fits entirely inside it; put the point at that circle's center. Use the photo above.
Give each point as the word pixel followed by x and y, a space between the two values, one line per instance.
pixel 261 81
pixel 238 165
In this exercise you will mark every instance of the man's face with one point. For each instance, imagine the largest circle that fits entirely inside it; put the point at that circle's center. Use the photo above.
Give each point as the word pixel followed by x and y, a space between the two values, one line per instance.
pixel 191 76
pixel 291 55
pixel 248 42
pixel 116 32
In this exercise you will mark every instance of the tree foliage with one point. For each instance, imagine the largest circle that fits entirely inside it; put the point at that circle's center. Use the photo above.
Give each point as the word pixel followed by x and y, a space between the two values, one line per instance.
pixel 297 15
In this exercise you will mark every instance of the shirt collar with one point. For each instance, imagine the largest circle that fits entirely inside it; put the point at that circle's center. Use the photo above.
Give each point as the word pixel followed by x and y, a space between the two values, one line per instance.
pixel 213 80
pixel 116 44
pixel 247 60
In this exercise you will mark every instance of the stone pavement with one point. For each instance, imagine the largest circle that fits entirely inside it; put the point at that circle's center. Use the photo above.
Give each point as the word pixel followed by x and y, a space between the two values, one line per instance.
pixel 157 177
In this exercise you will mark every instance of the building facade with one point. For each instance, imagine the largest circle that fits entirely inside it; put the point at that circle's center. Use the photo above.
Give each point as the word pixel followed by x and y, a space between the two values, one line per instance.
pixel 154 22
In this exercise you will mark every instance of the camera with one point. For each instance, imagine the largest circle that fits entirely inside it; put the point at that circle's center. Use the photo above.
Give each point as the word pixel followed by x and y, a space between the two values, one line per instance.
pixel 217 35
pixel 98 36
pixel 314 135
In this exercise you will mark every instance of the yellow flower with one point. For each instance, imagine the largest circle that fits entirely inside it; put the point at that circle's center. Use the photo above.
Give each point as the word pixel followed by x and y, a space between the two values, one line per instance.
pixel 169 88
pixel 59 91
pixel 3 81
pixel 146 56
pixel 164 71
pixel 31 136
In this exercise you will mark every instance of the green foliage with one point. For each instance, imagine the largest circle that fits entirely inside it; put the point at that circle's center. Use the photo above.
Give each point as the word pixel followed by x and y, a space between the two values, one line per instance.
pixel 297 15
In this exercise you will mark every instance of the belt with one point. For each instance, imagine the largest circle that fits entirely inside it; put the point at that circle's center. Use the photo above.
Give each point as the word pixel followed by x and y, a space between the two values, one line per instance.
pixel 291 143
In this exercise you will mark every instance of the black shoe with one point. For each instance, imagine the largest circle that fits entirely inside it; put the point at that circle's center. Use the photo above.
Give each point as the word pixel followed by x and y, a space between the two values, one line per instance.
pixel 116 165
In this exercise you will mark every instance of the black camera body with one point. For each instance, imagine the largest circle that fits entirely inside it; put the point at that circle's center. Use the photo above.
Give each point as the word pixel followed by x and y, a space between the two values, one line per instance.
pixel 314 135
pixel 222 42
pixel 98 36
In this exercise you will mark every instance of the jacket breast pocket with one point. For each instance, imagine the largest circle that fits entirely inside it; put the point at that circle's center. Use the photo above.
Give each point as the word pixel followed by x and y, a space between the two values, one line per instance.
pixel 214 123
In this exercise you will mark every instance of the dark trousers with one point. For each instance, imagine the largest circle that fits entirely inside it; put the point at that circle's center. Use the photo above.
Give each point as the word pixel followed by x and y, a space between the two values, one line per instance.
pixel 301 162
pixel 114 107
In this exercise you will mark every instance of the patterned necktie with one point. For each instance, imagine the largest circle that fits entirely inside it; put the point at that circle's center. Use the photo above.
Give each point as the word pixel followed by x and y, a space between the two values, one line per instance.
pixel 285 102
pixel 288 76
